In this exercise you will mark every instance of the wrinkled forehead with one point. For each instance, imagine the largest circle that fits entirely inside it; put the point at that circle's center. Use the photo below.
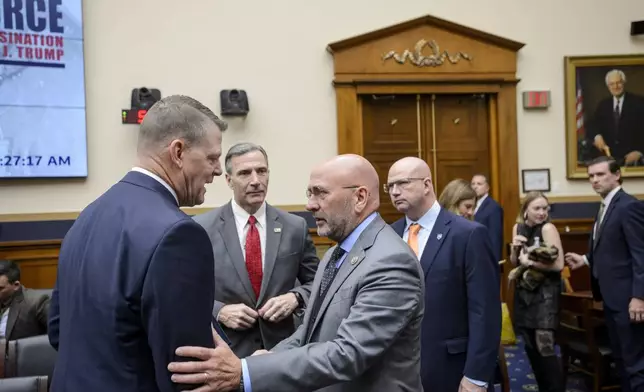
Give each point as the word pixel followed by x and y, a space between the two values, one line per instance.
pixel 398 172
pixel 614 78
pixel 325 178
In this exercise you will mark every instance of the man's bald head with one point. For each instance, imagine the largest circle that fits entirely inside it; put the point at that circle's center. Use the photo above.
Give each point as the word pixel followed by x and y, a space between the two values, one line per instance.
pixel 411 166
pixel 409 185
pixel 342 191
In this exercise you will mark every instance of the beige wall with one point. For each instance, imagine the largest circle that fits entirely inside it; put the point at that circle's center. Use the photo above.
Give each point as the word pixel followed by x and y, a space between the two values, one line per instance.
pixel 275 50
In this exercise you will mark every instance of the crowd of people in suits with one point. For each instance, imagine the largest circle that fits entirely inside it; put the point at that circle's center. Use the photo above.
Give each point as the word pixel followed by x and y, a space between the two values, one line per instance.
pixel 410 306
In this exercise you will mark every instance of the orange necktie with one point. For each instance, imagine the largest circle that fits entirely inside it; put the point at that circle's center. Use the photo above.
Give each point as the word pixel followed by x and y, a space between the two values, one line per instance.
pixel 412 240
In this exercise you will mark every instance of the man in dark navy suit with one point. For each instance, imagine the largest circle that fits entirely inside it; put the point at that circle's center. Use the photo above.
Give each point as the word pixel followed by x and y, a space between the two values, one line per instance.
pixel 461 329
pixel 488 213
pixel 135 273
pixel 616 258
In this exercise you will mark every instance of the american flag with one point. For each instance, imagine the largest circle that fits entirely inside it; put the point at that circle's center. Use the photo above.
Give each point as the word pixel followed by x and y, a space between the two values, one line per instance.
pixel 581 132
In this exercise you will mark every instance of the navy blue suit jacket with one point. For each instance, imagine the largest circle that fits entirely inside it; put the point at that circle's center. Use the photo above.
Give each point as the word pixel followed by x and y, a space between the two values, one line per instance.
pixel 617 257
pixel 461 329
pixel 490 215
pixel 135 281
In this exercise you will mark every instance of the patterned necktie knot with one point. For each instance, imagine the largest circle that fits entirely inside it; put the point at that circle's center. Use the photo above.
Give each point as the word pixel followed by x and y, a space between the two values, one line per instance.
pixel 252 220
pixel 331 270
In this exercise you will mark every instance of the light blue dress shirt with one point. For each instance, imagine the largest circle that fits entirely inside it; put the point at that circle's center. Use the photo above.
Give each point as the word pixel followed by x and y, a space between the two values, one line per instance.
pixel 346 245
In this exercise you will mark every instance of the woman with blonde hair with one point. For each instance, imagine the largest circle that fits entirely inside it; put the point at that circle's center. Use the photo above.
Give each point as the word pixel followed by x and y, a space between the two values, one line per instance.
pixel 459 197
pixel 536 249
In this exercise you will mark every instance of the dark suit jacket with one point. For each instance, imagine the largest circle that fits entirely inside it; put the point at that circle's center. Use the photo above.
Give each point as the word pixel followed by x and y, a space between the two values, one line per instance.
pixel 461 330
pixel 27 314
pixel 490 215
pixel 617 257
pixel 135 281
pixel 290 257
pixel 629 134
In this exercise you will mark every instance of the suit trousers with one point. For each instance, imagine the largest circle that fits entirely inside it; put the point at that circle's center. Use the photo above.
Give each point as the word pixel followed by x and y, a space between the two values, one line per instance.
pixel 544 361
pixel 627 344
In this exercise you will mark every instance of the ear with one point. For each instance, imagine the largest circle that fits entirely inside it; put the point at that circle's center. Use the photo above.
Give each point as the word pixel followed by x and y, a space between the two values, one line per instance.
pixel 361 195
pixel 228 181
pixel 177 149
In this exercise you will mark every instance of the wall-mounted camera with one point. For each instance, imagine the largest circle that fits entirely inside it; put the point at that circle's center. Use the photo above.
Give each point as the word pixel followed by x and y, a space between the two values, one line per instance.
pixel 234 102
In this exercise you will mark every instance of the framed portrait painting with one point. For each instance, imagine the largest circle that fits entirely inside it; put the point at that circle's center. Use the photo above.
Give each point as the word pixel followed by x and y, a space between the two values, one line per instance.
pixel 605 112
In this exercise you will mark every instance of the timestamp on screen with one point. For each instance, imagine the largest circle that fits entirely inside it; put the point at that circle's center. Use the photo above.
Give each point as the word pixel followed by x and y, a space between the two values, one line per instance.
pixel 35 160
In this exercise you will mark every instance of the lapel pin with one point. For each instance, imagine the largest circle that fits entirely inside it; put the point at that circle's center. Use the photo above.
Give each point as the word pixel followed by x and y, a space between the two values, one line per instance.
pixel 439 236
pixel 354 260
pixel 277 229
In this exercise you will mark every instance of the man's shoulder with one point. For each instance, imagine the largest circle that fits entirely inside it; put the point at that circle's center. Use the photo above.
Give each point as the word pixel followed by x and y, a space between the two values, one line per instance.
pixel 287 218
pixel 465 226
pixel 208 218
pixel 35 296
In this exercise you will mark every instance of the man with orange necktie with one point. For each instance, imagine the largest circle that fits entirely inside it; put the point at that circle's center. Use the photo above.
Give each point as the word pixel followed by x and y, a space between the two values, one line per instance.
pixel 459 353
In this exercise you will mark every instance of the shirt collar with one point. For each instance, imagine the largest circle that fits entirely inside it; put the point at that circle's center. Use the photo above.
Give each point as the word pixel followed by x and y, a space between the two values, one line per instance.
pixel 159 179
pixel 610 196
pixel 480 201
pixel 242 215
pixel 428 219
pixel 348 243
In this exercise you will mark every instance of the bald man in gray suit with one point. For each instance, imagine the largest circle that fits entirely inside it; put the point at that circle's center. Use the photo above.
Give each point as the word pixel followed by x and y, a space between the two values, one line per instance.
pixel 361 330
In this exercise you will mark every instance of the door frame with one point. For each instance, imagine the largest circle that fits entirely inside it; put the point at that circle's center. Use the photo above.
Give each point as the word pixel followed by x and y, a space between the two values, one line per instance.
pixel 491 70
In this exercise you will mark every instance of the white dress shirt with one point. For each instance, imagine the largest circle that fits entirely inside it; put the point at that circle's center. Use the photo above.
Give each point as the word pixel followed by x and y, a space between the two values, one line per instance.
pixel 3 323
pixel 241 221
pixel 426 223
pixel 619 102
pixel 480 201
pixel 159 179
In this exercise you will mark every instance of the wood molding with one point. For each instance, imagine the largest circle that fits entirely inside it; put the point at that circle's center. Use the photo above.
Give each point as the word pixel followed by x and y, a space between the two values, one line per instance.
pixel 72 215
pixel 486 64
pixel 419 22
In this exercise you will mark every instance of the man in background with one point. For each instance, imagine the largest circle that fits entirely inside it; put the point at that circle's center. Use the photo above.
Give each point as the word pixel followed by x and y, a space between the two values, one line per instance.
pixel 488 213
pixel 361 331
pixel 616 259
pixel 135 273
pixel 260 253
pixel 461 331
pixel 616 127
pixel 23 311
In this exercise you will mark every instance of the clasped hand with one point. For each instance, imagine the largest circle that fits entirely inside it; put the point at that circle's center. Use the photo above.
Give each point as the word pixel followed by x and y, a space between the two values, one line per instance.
pixel 242 317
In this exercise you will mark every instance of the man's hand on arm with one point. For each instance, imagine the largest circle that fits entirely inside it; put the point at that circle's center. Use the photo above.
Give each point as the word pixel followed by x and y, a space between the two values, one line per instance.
pixel 237 316
pixel 218 369
pixel 278 308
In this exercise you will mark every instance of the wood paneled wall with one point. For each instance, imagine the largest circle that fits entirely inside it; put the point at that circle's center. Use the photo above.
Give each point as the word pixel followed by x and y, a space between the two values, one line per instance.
pixel 38 260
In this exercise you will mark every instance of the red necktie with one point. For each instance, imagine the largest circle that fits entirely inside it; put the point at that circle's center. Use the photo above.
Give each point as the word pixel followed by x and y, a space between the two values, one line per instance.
pixel 254 256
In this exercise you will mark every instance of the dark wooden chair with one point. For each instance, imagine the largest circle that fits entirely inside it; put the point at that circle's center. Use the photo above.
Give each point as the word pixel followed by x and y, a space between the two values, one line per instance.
pixel 582 351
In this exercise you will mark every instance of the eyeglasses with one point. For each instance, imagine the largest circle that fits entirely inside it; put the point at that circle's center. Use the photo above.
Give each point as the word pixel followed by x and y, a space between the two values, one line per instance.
pixel 402 183
pixel 321 193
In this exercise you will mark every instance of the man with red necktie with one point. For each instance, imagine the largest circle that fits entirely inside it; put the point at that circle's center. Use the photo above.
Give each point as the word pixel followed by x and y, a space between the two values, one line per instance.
pixel 259 254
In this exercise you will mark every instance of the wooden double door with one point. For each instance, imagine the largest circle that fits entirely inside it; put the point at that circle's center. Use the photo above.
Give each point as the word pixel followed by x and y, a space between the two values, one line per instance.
pixel 450 132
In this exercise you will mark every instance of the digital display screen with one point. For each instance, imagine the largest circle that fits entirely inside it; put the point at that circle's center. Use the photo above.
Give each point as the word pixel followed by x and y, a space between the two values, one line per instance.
pixel 42 90
pixel 133 116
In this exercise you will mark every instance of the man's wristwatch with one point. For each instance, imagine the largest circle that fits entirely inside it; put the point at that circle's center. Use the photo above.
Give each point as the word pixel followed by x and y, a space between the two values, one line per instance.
pixel 300 300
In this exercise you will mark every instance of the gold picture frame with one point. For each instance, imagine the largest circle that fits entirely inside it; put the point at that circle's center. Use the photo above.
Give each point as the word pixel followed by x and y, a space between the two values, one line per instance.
pixel 588 99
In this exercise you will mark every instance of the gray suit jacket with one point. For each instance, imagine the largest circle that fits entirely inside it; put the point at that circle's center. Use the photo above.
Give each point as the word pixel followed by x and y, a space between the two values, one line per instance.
pixel 290 256
pixel 367 333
